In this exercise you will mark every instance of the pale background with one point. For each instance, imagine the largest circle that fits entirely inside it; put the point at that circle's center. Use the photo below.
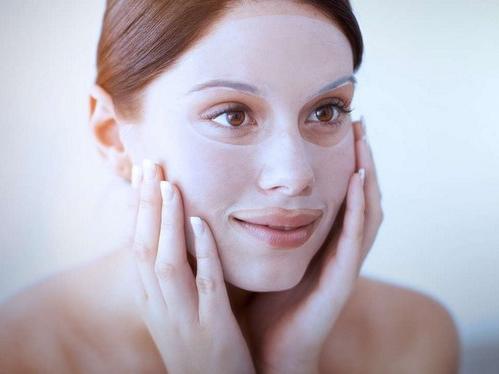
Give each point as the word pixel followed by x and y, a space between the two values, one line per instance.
pixel 428 90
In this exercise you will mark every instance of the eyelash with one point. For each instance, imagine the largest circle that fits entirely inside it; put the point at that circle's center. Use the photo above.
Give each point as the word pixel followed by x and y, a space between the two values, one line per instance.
pixel 343 108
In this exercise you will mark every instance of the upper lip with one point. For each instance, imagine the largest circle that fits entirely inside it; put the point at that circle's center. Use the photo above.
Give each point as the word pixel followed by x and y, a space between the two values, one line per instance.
pixel 279 216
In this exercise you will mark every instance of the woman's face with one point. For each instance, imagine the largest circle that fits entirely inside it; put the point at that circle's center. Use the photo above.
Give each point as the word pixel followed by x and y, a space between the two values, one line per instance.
pixel 275 148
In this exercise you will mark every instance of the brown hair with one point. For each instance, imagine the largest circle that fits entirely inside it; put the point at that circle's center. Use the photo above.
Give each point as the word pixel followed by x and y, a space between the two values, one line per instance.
pixel 140 39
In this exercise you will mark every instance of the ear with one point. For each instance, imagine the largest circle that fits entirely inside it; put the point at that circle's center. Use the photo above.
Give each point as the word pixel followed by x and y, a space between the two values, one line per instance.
pixel 104 127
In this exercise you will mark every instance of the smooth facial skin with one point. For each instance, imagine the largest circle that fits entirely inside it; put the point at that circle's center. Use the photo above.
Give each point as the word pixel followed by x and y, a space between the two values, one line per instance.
pixel 283 155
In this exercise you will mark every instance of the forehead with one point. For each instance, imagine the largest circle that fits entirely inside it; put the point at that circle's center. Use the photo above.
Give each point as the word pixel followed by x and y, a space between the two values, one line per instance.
pixel 270 27
pixel 276 51
pixel 254 42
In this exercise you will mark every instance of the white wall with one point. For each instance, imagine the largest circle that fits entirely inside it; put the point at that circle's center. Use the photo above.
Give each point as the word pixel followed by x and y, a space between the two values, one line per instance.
pixel 429 92
pixel 427 89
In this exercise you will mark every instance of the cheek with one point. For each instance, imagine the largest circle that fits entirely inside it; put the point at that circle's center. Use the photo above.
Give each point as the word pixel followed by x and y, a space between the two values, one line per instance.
pixel 214 177
pixel 211 178
pixel 333 171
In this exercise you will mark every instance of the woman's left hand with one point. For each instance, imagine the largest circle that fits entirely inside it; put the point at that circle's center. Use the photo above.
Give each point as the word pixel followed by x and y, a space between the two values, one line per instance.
pixel 289 328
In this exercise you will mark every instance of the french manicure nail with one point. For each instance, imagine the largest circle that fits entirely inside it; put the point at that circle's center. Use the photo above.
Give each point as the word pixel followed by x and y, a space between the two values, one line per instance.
pixel 197 225
pixel 136 176
pixel 166 190
pixel 149 169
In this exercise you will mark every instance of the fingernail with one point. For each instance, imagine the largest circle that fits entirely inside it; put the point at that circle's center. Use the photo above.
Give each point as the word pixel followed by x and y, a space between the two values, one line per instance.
pixel 149 169
pixel 136 176
pixel 362 175
pixel 197 225
pixel 166 190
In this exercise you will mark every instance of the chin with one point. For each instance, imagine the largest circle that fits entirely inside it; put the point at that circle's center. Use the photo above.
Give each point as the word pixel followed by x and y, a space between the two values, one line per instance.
pixel 265 281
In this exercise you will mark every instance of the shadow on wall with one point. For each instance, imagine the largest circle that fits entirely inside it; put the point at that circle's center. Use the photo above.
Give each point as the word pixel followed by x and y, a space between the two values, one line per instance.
pixel 482 357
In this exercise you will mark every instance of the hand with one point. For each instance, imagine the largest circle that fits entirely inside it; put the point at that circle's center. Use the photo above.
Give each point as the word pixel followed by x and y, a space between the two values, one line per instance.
pixel 189 319
pixel 289 328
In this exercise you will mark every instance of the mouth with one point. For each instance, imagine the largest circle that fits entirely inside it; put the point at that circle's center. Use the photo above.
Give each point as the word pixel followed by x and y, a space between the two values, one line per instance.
pixel 279 237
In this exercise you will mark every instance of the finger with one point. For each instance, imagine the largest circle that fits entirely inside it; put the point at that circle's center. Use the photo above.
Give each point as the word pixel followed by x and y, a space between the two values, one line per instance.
pixel 361 134
pixel 363 153
pixel 357 130
pixel 132 205
pixel 139 293
pixel 175 277
pixel 341 269
pixel 212 293
pixel 374 214
pixel 147 232
pixel 345 267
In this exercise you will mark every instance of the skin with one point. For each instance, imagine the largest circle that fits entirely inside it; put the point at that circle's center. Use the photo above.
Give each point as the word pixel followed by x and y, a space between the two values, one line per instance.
pixel 281 163
pixel 318 318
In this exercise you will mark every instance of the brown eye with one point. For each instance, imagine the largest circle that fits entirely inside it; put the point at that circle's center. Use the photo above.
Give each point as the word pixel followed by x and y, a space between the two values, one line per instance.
pixel 235 118
pixel 327 113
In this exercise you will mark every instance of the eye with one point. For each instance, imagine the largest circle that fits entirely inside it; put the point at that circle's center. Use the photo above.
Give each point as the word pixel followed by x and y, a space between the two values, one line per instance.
pixel 331 112
pixel 327 113
pixel 233 115
pixel 234 118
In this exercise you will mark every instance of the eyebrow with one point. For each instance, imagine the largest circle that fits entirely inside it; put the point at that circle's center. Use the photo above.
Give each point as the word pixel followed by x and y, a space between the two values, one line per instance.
pixel 245 87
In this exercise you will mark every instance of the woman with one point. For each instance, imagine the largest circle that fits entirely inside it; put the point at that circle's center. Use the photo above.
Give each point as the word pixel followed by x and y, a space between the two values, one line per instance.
pixel 247 233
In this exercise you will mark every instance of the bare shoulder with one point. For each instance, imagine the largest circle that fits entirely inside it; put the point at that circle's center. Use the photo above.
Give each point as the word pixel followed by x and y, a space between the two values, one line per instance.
pixel 73 321
pixel 29 323
pixel 53 324
pixel 387 328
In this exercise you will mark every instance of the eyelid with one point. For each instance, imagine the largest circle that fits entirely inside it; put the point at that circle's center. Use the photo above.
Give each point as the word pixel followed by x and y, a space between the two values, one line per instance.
pixel 226 108
pixel 344 93
pixel 332 100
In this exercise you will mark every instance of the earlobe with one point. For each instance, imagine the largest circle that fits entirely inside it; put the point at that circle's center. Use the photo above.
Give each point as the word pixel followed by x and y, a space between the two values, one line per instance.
pixel 104 127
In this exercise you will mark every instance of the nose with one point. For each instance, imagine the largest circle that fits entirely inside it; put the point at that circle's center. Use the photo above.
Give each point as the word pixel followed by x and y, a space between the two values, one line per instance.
pixel 285 166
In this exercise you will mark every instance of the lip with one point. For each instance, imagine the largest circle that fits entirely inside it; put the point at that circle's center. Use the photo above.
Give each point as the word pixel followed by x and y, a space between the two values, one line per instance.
pixel 255 223
pixel 279 216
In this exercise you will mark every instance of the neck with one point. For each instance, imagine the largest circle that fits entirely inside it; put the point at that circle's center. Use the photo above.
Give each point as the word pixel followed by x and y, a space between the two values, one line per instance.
pixel 239 299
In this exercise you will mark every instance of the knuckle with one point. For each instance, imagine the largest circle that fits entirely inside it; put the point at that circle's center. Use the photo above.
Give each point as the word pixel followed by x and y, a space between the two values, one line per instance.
pixel 349 210
pixel 205 254
pixel 205 285
pixel 354 234
pixel 132 204
pixel 164 270
pixel 167 224
pixel 358 235
pixel 141 298
pixel 147 201
pixel 141 250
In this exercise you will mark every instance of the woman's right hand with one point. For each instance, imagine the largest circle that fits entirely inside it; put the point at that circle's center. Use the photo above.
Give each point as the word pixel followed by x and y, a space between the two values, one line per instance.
pixel 189 318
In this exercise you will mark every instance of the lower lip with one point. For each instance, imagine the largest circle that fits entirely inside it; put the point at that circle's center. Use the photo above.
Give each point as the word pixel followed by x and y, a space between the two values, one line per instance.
pixel 278 238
